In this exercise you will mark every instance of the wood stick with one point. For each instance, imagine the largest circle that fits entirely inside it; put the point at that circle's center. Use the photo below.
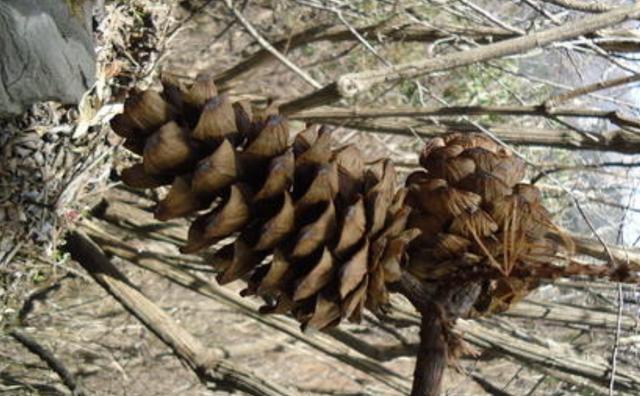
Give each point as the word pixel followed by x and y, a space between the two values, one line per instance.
pixel 54 363
pixel 509 345
pixel 319 115
pixel 213 371
pixel 617 140
pixel 579 5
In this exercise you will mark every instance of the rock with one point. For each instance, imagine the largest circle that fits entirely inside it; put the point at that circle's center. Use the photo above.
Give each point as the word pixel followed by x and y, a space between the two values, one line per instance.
pixel 46 52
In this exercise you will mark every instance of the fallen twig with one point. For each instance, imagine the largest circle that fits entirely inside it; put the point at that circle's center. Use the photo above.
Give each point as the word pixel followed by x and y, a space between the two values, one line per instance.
pixel 54 363
pixel 213 371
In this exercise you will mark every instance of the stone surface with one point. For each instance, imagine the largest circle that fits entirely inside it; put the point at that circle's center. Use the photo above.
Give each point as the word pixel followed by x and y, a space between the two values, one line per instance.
pixel 46 52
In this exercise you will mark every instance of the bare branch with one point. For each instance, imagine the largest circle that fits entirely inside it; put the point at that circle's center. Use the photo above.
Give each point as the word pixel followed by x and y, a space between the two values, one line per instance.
pixel 616 140
pixel 206 364
pixel 54 363
pixel 588 89
pixel 580 5
pixel 319 115
pixel 264 43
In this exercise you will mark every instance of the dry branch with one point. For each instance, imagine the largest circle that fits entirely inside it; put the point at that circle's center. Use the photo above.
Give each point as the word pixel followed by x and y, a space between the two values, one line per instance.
pixel 319 115
pixel 349 85
pixel 53 362
pixel 206 363
pixel 565 314
pixel 485 337
pixel 616 140
pixel 580 5
pixel 591 88
pixel 409 32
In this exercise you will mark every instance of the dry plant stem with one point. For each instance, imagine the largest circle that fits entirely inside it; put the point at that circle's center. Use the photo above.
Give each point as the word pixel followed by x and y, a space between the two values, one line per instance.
pixel 351 84
pixel 580 5
pixel 266 45
pixel 588 89
pixel 54 364
pixel 616 140
pixel 321 114
pixel 210 369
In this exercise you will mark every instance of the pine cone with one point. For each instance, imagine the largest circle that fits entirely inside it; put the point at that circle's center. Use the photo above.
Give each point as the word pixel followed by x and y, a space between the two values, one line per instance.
pixel 317 231
pixel 478 222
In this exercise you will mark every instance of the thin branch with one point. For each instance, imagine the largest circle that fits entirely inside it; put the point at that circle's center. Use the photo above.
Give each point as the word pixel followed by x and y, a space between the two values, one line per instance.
pixel 616 140
pixel 54 363
pixel 591 88
pixel 329 32
pixel 616 343
pixel 492 18
pixel 264 43
pixel 318 115
pixel 583 6
pixel 582 167
pixel 213 371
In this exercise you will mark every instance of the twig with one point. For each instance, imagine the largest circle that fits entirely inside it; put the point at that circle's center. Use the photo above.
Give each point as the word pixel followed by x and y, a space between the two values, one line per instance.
pixel 408 111
pixel 581 5
pixel 616 344
pixel 565 168
pixel 615 140
pixel 216 373
pixel 264 43
pixel 496 21
pixel 589 89
pixel 54 363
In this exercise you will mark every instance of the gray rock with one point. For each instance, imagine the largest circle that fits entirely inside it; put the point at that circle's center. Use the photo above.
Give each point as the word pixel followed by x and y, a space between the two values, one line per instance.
pixel 46 52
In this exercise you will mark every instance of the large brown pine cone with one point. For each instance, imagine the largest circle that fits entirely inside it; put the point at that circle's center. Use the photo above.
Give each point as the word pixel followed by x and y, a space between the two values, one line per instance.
pixel 318 231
